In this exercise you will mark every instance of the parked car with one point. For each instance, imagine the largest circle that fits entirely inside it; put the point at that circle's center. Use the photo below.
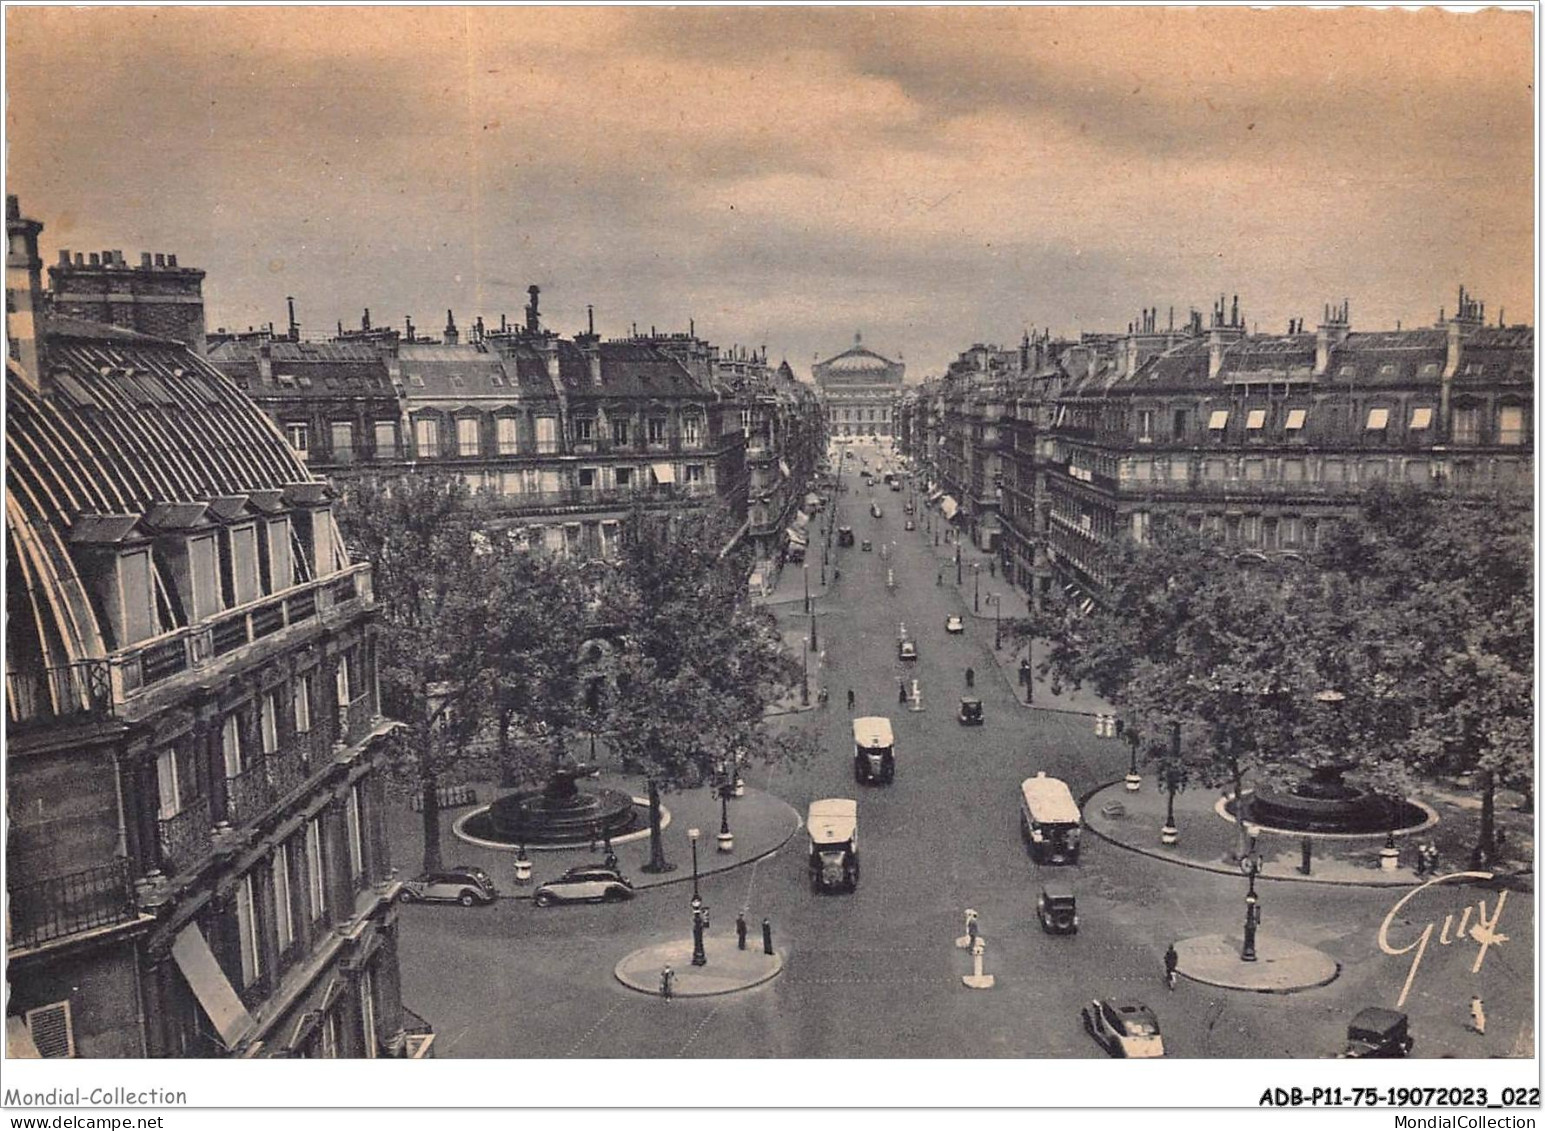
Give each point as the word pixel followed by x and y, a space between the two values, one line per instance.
pixel 954 625
pixel 457 884
pixel 844 535
pixel 866 545
pixel 906 650
pixel 1378 1033
pixel 1124 1028
pixel 587 883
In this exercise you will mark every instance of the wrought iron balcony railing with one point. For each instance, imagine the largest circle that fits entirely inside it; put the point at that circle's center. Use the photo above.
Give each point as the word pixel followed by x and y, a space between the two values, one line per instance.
pixel 69 904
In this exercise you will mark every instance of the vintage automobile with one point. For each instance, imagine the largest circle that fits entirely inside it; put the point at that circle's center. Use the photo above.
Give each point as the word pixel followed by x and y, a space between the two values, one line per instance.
pixel 906 650
pixel 908 508
pixel 459 883
pixel 954 625
pixel 844 535
pixel 833 826
pixel 1057 909
pixel 1378 1033
pixel 866 545
pixel 1126 1029
pixel 970 713
pixel 874 750
pixel 586 883
pixel 875 511
pixel 910 525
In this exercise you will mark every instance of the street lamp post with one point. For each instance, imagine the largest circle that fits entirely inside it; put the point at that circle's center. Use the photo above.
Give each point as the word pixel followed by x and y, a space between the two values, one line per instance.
pixel 976 585
pixel 996 600
pixel 1250 864
pixel 806 569
pixel 814 642
pixel 958 574
pixel 1029 669
pixel 804 679
pixel 697 898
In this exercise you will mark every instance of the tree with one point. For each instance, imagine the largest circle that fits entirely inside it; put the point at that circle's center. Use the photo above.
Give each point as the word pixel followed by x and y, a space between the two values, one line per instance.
pixel 697 663
pixel 433 587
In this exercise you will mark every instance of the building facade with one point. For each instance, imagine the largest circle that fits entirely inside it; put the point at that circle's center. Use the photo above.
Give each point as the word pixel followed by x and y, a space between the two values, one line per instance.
pixel 196 862
pixel 859 388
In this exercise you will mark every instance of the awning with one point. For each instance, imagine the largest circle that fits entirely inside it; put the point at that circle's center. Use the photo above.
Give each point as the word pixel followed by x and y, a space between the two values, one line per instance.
pixel 18 1040
pixel 210 985
pixel 796 537
pixel 949 506
pixel 663 473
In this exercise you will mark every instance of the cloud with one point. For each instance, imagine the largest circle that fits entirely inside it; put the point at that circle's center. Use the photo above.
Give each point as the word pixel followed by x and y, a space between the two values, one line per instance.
pixel 932 175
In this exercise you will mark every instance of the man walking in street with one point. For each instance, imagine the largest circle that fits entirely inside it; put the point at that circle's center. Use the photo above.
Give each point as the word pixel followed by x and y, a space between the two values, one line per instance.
pixel 901 691
pixel 1171 964
pixel 970 677
pixel 851 700
pixel 667 984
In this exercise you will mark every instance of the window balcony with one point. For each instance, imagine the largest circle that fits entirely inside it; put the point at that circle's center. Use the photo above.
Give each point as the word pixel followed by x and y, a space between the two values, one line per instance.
pixel 65 905
pixel 185 837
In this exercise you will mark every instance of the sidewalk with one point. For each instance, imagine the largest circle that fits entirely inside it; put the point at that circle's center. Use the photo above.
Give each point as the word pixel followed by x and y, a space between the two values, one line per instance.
pixel 791 579
pixel 1208 841
pixel 761 823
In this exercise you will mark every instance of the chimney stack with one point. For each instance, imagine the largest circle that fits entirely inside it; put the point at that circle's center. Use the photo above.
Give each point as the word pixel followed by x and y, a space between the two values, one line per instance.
pixel 589 319
pixel 24 292
pixel 294 330
pixel 452 335
pixel 533 311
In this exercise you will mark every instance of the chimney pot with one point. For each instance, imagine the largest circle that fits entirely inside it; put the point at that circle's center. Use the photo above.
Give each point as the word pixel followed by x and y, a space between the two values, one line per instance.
pixel 80 259
pixel 171 261
pixel 144 259
pixel 96 260
pixel 64 256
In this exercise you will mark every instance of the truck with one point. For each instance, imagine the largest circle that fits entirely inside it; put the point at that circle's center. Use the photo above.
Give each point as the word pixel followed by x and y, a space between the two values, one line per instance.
pixel 833 827
pixel 874 750
pixel 1049 819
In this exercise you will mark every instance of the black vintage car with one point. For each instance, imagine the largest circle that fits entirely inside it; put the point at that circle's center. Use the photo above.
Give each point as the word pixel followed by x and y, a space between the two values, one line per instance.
pixel 970 714
pixel 1378 1033
pixel 844 535
pixel 1057 909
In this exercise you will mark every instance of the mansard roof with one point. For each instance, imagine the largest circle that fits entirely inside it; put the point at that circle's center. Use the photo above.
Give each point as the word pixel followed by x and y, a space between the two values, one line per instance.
pixel 303 370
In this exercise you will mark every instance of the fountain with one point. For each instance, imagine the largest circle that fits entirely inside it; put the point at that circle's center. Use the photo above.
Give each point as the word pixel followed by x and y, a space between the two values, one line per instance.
pixel 557 813
pixel 1324 803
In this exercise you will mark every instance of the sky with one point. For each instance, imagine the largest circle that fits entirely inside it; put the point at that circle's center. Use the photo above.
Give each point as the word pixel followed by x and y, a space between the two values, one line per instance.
pixel 931 177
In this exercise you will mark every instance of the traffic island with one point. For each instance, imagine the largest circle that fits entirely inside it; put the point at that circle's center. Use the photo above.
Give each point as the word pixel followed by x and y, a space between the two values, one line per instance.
pixel 729 970
pixel 1281 966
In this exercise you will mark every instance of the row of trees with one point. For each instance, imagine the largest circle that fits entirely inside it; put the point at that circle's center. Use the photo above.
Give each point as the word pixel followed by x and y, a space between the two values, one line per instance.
pixel 500 658
pixel 1401 648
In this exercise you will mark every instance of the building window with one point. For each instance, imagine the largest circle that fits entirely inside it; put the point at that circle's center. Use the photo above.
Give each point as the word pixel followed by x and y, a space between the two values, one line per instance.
pixel 466 436
pixel 231 745
pixel 1418 471
pixel 1214 470
pixel 656 430
pixel 587 477
pixel 1256 420
pixel 584 430
pixel 694 473
pixel 1291 530
pixel 1378 420
pixel 1269 533
pixel 509 482
pixel 1140 526
pixel 1255 470
pixel 341 432
pixel 301 703
pixel 1467 425
pixel 506 426
pixel 281 564
pixel 691 431
pixel 247 930
pixel 1178 431
pixel 624 476
pixel 620 431
pixel 1218 421
pixel 1335 471
pixel 168 789
pixel 137 595
pixel 284 909
pixel 270 723
pixel 351 816
pixel 1295 419
pixel 204 572
pixel 316 876
pixel 244 564
pixel 547 434
pixel 1374 470
pixel 299 436
pixel 1145 426
pixel 367 1012
pixel 1292 471
pixel 426 436
pixel 1421 419
pixel 1510 425
pixel 386 439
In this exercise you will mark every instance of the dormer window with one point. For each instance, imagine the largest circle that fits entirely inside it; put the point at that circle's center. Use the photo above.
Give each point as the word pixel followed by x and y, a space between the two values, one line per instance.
pixel 1421 418
pixel 1295 419
pixel 204 573
pixel 692 431
pixel 136 597
pixel 1256 420
pixel 584 430
pixel 415 380
pixel 1378 419
pixel 299 437
pixel 245 582
pixel 1218 421
pixel 285 380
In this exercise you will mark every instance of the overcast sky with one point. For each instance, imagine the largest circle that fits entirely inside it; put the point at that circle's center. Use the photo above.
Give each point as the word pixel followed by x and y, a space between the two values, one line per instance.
pixel 932 177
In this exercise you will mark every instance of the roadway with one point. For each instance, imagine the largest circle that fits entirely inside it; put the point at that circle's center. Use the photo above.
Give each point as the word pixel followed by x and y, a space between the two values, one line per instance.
pixel 875 973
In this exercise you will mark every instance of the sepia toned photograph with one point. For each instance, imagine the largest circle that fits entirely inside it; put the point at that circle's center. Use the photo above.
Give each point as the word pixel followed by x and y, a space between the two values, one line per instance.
pixel 438 629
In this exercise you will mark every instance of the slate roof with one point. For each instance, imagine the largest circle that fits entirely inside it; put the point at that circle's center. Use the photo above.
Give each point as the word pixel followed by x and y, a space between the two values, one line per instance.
pixel 305 370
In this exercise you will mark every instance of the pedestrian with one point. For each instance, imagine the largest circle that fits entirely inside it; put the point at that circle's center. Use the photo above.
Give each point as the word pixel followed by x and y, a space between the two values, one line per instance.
pixel 938 578
pixel 1477 1016
pixel 821 696
pixel 1431 852
pixel 1421 861
pixel 851 700
pixel 740 929
pixel 992 567
pixel 1171 964
pixel 970 677
pixel 611 861
pixel 901 691
pixel 667 984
